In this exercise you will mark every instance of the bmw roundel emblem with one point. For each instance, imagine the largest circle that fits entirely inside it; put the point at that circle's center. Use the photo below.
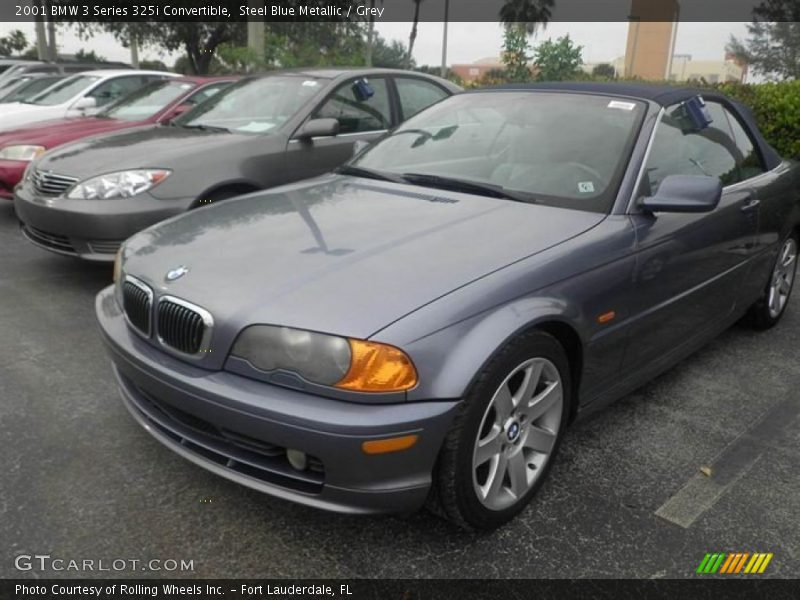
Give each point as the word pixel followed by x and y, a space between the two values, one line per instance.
pixel 513 431
pixel 176 273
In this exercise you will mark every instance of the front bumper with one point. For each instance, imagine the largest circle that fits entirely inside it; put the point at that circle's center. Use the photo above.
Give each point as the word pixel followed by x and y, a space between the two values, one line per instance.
pixel 240 428
pixel 11 172
pixel 88 229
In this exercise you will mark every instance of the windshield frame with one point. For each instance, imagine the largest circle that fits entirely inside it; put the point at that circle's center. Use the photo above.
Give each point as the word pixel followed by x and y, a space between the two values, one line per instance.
pixel 602 203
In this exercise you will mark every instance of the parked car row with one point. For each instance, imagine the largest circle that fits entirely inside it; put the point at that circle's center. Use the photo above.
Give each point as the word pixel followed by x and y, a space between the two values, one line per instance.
pixel 258 133
pixel 408 292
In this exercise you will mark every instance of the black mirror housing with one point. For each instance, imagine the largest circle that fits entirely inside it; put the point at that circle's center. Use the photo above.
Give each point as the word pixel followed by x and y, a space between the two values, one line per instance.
pixel 685 194
pixel 318 128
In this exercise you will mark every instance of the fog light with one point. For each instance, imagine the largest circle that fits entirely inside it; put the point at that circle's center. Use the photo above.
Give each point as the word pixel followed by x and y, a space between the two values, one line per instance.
pixel 297 459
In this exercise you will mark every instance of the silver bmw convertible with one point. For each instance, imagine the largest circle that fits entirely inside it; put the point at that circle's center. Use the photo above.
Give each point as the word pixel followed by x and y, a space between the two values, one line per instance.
pixel 420 327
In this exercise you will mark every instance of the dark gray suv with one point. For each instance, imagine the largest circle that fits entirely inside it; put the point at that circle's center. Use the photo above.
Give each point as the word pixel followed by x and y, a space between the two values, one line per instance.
pixel 84 199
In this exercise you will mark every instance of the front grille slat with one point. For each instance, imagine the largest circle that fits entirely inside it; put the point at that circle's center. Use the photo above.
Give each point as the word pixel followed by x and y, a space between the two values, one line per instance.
pixel 181 327
pixel 51 184
pixel 137 302
pixel 49 240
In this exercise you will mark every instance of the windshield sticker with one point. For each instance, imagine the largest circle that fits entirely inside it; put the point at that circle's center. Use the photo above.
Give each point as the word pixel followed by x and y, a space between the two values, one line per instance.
pixel 585 187
pixel 621 105
pixel 310 83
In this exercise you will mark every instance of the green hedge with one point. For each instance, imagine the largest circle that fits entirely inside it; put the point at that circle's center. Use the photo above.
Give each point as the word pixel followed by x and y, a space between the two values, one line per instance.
pixel 777 110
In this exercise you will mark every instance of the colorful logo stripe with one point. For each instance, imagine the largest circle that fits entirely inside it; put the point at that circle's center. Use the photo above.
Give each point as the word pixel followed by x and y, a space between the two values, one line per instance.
pixel 732 563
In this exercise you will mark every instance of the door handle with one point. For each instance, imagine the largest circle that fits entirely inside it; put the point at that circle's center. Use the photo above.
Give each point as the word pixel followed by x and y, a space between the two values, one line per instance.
pixel 750 205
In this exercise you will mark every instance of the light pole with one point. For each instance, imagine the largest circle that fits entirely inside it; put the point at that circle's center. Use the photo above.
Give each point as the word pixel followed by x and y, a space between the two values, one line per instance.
pixel 443 70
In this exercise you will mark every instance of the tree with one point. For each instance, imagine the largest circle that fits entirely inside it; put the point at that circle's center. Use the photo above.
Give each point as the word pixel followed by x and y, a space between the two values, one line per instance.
pixel 530 14
pixel 449 74
pixel 14 43
pixel 391 55
pixel 516 57
pixel 91 56
pixel 153 65
pixel 559 60
pixel 604 70
pixel 772 47
pixel 199 40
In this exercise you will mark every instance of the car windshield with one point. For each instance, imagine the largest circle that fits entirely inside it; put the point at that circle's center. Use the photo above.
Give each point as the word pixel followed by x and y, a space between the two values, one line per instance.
pixel 30 89
pixel 554 148
pixel 255 106
pixel 64 91
pixel 147 101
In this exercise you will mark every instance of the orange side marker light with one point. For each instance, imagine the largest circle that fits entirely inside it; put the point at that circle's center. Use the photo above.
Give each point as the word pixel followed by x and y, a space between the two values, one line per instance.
pixel 389 444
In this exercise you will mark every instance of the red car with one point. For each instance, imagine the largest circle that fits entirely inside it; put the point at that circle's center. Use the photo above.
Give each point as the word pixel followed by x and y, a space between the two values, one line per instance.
pixel 157 103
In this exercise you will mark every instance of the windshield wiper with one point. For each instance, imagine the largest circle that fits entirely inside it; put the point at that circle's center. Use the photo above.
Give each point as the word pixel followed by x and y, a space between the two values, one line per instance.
pixel 464 185
pixel 203 127
pixel 369 173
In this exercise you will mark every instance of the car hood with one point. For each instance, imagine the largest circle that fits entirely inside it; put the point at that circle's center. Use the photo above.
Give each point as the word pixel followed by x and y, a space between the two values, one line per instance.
pixel 340 254
pixel 60 131
pixel 157 146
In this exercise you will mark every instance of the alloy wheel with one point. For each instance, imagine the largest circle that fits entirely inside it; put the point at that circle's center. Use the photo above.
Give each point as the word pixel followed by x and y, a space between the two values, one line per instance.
pixel 517 434
pixel 782 278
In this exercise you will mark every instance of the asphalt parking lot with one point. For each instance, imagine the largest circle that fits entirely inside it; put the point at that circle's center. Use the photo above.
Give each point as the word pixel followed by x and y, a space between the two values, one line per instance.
pixel 79 479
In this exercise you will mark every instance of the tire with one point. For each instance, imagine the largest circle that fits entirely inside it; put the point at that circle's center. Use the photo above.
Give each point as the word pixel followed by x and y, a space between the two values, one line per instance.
pixel 466 489
pixel 769 308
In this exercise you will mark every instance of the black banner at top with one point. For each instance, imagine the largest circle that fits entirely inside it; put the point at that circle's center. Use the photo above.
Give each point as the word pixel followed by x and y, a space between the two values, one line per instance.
pixel 400 10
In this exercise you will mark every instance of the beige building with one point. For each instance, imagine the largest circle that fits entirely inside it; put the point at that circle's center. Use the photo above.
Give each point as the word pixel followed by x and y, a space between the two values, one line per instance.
pixel 473 71
pixel 684 68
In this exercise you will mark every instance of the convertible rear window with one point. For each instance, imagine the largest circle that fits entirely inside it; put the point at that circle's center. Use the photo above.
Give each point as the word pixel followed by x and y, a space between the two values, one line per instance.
pixel 561 149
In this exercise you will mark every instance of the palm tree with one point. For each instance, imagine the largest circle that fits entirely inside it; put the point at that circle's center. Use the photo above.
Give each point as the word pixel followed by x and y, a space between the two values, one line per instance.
pixel 530 14
pixel 413 36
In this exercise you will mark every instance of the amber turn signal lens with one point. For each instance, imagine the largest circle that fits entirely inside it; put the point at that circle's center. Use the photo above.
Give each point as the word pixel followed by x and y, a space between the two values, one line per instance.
pixel 378 368
pixel 389 445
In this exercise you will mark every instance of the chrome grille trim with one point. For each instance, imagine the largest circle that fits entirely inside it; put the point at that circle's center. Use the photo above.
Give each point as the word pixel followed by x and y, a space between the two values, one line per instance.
pixel 137 300
pixel 183 328
pixel 51 184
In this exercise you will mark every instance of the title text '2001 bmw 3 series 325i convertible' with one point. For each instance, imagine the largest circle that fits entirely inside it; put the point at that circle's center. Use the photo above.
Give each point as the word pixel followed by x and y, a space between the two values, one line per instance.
pixel 421 326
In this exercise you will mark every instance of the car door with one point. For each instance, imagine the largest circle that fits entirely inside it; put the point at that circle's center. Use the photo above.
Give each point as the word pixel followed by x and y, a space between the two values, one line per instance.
pixel 359 119
pixel 690 267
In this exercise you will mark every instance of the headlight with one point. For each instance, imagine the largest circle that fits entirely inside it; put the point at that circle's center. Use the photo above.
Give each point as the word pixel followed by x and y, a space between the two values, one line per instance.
pixel 329 360
pixel 26 153
pixel 122 184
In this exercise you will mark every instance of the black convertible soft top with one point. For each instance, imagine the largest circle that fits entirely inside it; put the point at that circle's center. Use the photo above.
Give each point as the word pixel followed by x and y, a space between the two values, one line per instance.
pixel 665 95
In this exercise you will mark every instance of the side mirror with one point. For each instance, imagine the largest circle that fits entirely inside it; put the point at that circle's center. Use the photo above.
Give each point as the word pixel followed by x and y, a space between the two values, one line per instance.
pixel 685 194
pixel 85 103
pixel 318 128
pixel 359 146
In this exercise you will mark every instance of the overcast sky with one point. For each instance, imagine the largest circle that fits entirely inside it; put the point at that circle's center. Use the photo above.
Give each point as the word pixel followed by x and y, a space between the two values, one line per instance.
pixel 467 42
